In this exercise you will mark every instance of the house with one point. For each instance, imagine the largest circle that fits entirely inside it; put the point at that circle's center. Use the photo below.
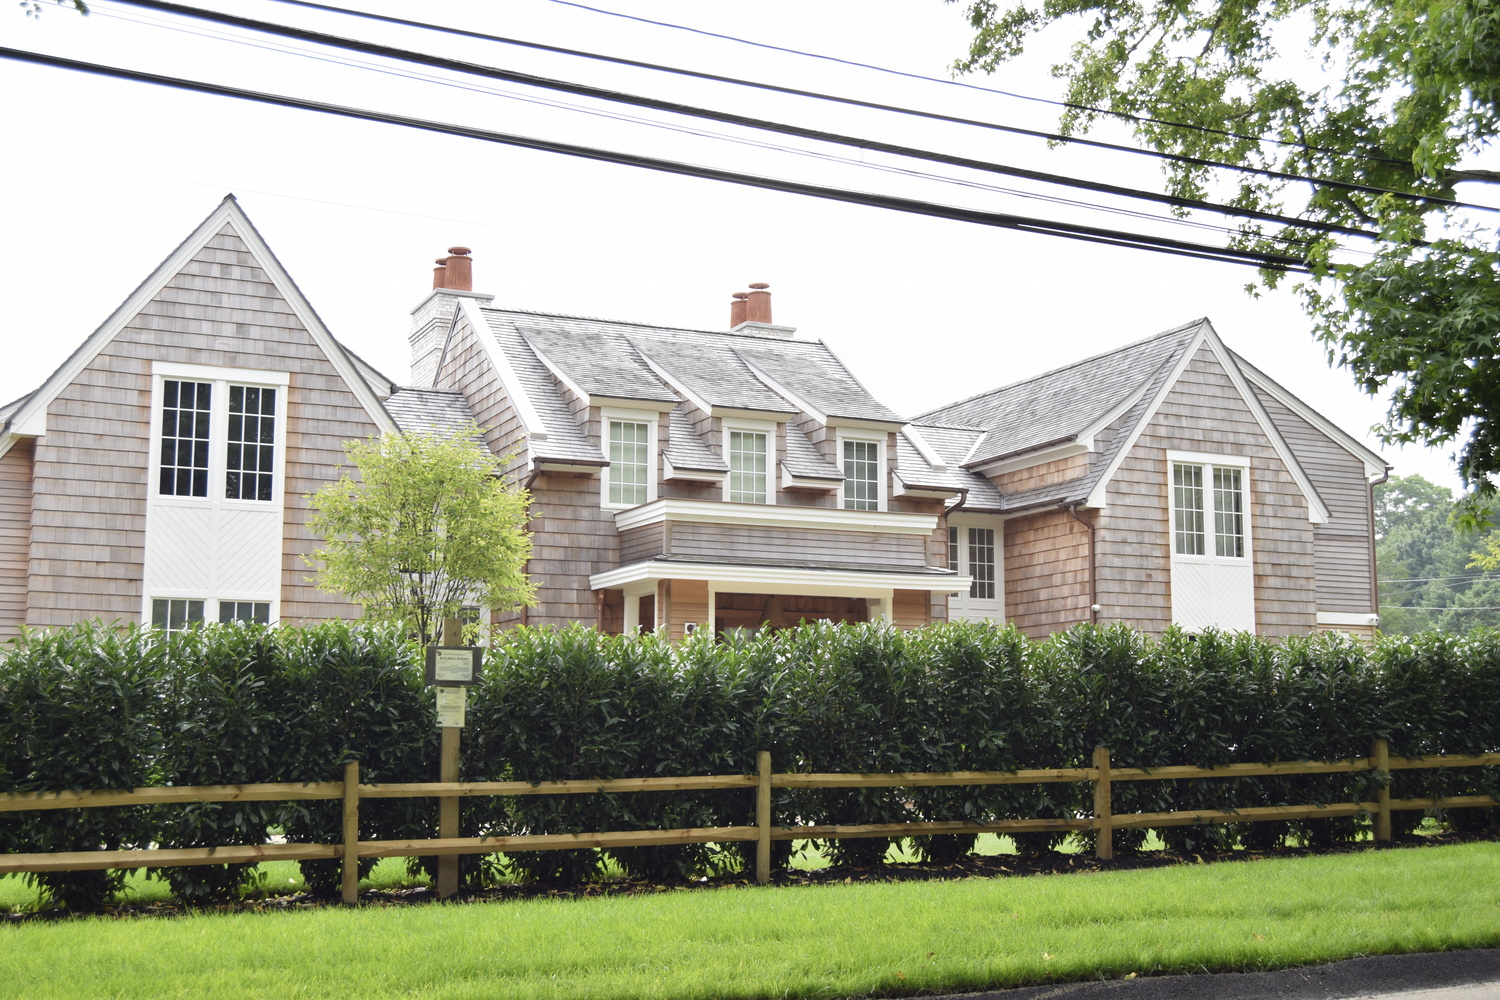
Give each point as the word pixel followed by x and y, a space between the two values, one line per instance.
pixel 682 479
pixel 1167 481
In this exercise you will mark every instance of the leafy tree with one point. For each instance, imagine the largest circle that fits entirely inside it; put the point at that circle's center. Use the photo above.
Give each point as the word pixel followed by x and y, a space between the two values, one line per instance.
pixel 430 526
pixel 1425 562
pixel 1382 109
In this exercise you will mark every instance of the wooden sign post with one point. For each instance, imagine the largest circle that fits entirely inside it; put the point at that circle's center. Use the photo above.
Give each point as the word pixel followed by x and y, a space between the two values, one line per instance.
pixel 451 667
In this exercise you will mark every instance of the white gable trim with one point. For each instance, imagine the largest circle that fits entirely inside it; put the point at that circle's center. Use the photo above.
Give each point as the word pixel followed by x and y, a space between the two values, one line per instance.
pixel 531 421
pixel 1375 463
pixel 1317 510
pixel 31 417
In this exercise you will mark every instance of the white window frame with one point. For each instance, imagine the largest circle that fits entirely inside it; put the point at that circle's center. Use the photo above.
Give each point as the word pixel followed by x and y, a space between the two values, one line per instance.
pixel 1200 582
pixel 218 429
pixel 964 606
pixel 211 605
pixel 880 440
pixel 652 420
pixel 766 427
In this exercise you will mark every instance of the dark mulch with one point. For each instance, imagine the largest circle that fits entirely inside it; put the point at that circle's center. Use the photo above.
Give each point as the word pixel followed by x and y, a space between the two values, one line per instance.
pixel 971 866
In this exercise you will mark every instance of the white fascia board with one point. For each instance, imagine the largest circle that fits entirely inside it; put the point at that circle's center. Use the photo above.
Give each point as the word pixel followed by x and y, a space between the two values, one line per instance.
pixel 7 442
pixel 1345 618
pixel 790 481
pixel 771 515
pixel 1207 458
pixel 926 492
pixel 628 403
pixel 671 472
pixel 802 405
pixel 1317 510
pixel 928 452
pixel 1375 463
pixel 969 455
pixel 559 465
pixel 30 419
pixel 520 400
pixel 780 579
pixel 740 416
pixel 557 372
pixel 1041 456
pixel 673 384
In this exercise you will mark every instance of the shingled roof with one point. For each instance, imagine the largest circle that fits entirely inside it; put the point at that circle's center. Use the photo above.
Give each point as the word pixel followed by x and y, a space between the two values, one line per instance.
pixel 1060 405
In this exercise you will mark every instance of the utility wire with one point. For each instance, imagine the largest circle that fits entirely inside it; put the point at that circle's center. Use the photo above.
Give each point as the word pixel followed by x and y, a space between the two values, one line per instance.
pixel 443 81
pixel 873 105
pixel 619 97
pixel 1123 115
pixel 1091 234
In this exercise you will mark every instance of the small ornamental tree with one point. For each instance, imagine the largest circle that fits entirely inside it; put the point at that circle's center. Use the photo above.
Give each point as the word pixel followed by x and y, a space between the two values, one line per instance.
pixel 430 526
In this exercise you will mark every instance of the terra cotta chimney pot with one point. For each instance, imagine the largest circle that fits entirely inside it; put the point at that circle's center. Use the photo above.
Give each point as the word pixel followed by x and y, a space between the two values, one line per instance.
pixel 460 270
pixel 737 309
pixel 758 303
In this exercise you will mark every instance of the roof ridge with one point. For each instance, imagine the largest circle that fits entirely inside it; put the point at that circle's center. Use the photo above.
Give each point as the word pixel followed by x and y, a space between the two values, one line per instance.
pixel 1062 368
pixel 651 326
pixel 948 427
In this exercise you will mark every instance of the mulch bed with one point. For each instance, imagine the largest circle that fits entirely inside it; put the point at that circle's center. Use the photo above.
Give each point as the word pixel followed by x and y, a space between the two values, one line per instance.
pixel 971 866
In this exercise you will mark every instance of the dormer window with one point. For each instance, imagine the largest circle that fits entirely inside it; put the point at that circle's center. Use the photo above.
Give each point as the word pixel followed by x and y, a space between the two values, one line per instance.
pixel 862 458
pixel 630 442
pixel 748 450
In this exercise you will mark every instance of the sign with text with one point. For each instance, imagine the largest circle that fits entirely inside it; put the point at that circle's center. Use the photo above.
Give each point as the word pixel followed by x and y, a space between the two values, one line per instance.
pixel 449 665
pixel 451 701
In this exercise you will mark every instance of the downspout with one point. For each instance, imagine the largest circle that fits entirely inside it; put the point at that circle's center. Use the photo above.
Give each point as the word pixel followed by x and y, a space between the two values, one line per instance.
pixel 1374 571
pixel 1072 508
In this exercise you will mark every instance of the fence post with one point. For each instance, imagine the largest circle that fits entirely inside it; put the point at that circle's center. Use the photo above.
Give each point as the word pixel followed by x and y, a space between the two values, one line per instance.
pixel 351 833
pixel 1380 759
pixel 1104 833
pixel 763 818
pixel 447 872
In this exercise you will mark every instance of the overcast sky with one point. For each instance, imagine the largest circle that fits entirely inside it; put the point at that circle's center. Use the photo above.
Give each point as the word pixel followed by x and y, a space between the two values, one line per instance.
pixel 103 178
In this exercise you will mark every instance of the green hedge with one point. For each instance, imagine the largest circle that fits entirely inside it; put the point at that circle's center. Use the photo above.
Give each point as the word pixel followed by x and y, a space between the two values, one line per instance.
pixel 100 707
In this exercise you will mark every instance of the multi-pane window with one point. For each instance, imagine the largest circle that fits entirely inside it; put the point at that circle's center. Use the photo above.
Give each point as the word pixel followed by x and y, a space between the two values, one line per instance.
pixel 1190 510
pixel 251 449
pixel 982 563
pixel 174 615
pixel 629 455
pixel 245 611
pixel 747 467
pixel 953 548
pixel 184 438
pixel 1229 513
pixel 861 475
pixel 215 436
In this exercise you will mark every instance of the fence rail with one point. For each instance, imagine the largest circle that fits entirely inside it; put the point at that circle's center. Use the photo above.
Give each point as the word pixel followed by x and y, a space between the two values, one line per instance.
pixel 1103 821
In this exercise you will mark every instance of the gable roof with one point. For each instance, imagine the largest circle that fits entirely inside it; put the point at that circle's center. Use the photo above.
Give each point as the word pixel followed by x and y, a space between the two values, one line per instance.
pixel 1062 404
pixel 1102 403
pixel 26 415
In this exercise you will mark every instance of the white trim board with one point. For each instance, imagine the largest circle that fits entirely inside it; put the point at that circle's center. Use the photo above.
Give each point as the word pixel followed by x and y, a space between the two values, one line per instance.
pixel 776 516
pixel 779 579
pixel 229 213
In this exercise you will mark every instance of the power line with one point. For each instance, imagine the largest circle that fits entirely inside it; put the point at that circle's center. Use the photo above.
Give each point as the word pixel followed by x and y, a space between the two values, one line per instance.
pixel 1123 115
pixel 877 106
pixel 619 97
pixel 406 74
pixel 1091 234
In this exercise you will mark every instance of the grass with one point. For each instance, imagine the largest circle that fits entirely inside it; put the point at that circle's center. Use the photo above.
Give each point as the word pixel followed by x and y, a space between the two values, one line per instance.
pixel 841 940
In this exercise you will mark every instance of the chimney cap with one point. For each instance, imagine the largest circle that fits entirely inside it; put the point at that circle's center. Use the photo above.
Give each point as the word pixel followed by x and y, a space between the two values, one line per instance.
pixel 740 295
pixel 758 285
pixel 459 250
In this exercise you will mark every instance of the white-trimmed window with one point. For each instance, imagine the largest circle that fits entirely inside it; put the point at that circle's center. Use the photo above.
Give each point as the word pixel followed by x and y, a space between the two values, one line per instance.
pixel 747 450
pixel 177 614
pixel 1213 579
pixel 862 459
pixel 974 551
pixel 630 442
pixel 218 433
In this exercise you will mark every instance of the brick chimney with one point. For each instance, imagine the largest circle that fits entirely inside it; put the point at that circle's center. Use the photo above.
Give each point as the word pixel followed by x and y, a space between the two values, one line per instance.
pixel 452 279
pixel 750 313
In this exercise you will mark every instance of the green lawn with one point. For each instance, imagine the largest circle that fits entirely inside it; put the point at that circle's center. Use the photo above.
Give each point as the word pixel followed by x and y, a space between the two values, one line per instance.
pixel 840 940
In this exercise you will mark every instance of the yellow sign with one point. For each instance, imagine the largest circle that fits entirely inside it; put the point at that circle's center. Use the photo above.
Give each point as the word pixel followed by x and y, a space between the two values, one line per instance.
pixel 450 707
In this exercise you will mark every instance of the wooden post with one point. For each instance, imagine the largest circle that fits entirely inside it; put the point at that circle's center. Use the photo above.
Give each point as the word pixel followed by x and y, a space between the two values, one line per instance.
pixel 1104 833
pixel 1380 759
pixel 763 818
pixel 447 877
pixel 351 833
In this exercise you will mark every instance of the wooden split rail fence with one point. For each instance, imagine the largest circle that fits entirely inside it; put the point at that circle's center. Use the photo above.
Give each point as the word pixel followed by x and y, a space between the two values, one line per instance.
pixel 1103 822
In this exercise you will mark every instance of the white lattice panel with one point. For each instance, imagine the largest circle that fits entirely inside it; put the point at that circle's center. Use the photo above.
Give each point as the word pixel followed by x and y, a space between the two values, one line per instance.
pixel 179 540
pixel 1192 596
pixel 213 551
pixel 248 552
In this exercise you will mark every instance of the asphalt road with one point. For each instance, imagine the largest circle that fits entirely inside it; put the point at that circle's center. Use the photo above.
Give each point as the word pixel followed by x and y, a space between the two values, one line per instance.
pixel 1454 975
